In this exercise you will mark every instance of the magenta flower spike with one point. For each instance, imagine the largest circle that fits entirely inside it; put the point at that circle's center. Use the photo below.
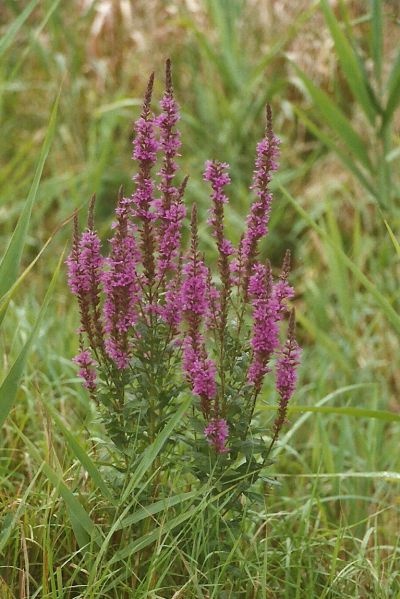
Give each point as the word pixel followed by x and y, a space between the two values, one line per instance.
pixel 195 305
pixel 171 210
pixel 145 144
pixel 266 315
pixel 194 296
pixel 145 148
pixel 216 433
pixel 217 174
pixel 171 311
pixel 286 373
pixel 200 370
pixel 86 369
pixel 121 287
pixel 257 221
pixel 85 264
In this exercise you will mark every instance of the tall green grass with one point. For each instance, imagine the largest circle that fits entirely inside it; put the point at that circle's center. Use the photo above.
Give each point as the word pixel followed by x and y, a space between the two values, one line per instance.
pixel 368 147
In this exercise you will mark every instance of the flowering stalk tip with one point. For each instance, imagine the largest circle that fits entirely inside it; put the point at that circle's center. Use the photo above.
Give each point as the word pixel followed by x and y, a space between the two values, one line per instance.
pixel 286 373
pixel 216 433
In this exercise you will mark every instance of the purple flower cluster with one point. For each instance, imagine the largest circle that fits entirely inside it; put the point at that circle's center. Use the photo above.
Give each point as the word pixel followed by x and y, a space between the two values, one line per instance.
pixel 121 288
pixel 86 369
pixel 216 433
pixel 217 174
pixel 286 373
pixel 194 296
pixel 171 210
pixel 257 220
pixel 195 306
pixel 200 370
pixel 143 234
pixel 265 336
pixel 286 369
pixel 147 285
pixel 269 307
pixel 84 263
pixel 171 311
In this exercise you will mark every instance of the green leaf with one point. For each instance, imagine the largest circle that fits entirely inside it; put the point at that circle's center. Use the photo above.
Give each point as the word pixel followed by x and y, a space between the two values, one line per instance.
pixel 350 63
pixel 10 262
pixel 336 120
pixel 10 385
pixel 15 26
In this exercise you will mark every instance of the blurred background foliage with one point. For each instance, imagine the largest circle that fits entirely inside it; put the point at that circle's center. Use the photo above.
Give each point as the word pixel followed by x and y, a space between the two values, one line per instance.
pixel 331 71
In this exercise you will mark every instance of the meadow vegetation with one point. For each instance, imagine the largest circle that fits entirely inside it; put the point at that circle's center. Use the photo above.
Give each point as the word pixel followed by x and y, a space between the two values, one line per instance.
pixel 72 78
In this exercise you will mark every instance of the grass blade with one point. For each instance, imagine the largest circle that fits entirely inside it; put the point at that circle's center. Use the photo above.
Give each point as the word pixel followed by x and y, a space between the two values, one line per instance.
pixel 355 412
pixel 393 238
pixel 151 452
pixel 350 63
pixel 323 339
pixel 377 37
pixel 305 417
pixel 155 508
pixel 149 538
pixel 10 385
pixel 380 299
pixel 15 26
pixel 80 453
pixel 10 525
pixel 10 262
pixel 149 455
pixel 393 92
pixel 343 156
pixel 4 300
pixel 84 529
pixel 391 476
pixel 336 120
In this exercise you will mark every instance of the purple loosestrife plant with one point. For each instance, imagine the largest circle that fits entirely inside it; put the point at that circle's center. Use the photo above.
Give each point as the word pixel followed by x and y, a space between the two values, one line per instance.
pixel 156 320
